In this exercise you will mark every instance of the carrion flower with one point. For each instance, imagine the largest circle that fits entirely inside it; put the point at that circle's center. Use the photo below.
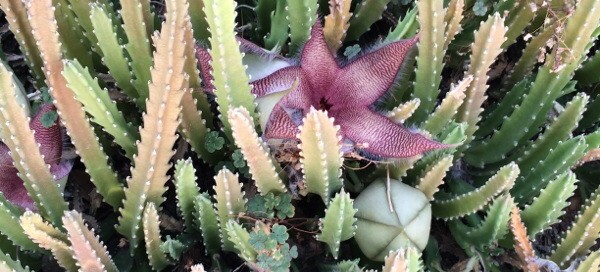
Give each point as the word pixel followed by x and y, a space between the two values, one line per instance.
pixel 347 92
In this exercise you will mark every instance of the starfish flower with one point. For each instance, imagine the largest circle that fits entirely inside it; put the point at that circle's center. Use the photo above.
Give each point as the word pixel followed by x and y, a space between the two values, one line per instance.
pixel 50 144
pixel 347 92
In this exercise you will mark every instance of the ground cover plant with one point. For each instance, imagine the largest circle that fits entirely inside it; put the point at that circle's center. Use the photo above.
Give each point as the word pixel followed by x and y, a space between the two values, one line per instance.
pixel 299 135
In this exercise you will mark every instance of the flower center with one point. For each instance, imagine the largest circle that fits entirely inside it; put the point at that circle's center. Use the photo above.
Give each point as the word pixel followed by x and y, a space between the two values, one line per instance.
pixel 324 104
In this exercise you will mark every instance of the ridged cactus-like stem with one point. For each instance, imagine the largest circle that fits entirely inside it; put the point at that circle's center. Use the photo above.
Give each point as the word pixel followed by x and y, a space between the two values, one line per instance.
pixel 279 29
pixel 548 206
pixel 8 264
pixel 365 15
pixel 74 42
pixel 198 20
pixel 560 130
pixel 494 227
pixel 431 56
pixel 196 115
pixel 89 252
pixel 16 15
pixel 302 15
pixel 504 109
pixel 321 154
pixel 473 201
pixel 50 238
pixel 433 176
pixel 582 235
pixel 230 203
pixel 158 134
pixel 560 159
pixel 100 107
pixel 187 190
pixel 403 260
pixel 230 80
pixel 113 51
pixel 444 113
pixel 9 215
pixel 485 48
pixel 404 111
pixel 24 149
pixel 240 238
pixel 452 19
pixel 529 57
pixel 158 259
pixel 256 153
pixel 338 223
pixel 138 24
pixel 207 223
pixel 336 23
pixel 70 110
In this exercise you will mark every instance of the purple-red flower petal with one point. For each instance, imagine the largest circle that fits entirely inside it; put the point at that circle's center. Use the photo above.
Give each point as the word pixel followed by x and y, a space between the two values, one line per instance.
pixel 378 135
pixel 319 67
pixel 369 77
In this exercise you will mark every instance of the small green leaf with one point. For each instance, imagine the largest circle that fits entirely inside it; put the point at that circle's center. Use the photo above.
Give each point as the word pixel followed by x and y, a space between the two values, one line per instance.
pixel 214 142
pixel 480 8
pixel 49 118
pixel 238 159
pixel 279 233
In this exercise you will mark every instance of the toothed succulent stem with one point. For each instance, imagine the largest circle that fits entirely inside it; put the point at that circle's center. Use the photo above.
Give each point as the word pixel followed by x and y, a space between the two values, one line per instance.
pixel 338 223
pixel 433 176
pixel 494 227
pixel 321 154
pixel 546 208
pixel 485 48
pixel 279 27
pixel 8 264
pixel 16 15
pixel 431 56
pixel 187 190
pixel 230 203
pixel 402 112
pixel 71 112
pixel 444 113
pixel 473 201
pixel 240 237
pixel 453 17
pixel 403 260
pixel 365 15
pixel 25 151
pixel 158 134
pixel 100 107
pixel 151 222
pixel 138 24
pixel 9 216
pixel 208 224
pixel 230 80
pixel 302 14
pixel 89 253
pixel 113 51
pixel 50 238
pixel 336 23
pixel 583 233
pixel 256 153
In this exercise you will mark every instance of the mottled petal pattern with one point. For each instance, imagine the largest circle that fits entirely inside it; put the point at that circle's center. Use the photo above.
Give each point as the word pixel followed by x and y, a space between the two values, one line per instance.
pixel 366 79
pixel 318 64
pixel 378 135
pixel 50 141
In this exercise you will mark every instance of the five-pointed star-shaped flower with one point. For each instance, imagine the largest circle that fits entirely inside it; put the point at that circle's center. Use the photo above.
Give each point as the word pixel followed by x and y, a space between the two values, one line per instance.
pixel 346 92
pixel 50 143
